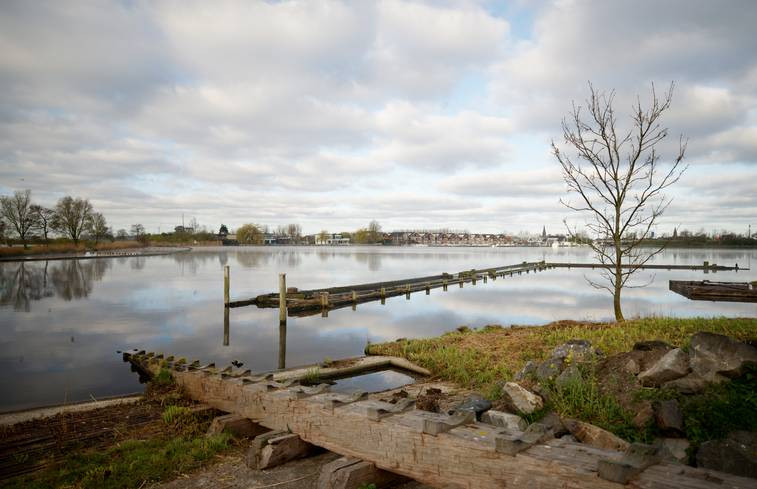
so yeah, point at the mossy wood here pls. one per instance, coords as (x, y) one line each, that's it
(432, 448)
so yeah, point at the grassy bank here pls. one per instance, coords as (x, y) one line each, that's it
(602, 394)
(482, 358)
(171, 443)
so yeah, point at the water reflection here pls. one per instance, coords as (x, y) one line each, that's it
(21, 283)
(174, 304)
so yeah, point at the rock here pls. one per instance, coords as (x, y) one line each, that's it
(528, 370)
(632, 367)
(550, 368)
(692, 383)
(574, 351)
(521, 400)
(512, 422)
(673, 449)
(643, 415)
(672, 365)
(570, 375)
(594, 435)
(734, 455)
(713, 354)
(651, 345)
(554, 423)
(474, 403)
(669, 418)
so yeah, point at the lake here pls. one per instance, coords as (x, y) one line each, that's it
(63, 322)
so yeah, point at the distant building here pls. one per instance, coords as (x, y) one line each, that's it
(333, 239)
(183, 229)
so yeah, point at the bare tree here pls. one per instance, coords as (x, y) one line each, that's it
(619, 179)
(72, 216)
(44, 219)
(294, 231)
(138, 231)
(97, 227)
(16, 210)
(374, 231)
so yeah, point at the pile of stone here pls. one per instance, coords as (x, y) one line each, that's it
(710, 358)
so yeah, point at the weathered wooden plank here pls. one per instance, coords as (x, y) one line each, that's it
(463, 456)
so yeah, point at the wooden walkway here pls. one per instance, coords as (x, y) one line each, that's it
(435, 449)
(306, 302)
(313, 301)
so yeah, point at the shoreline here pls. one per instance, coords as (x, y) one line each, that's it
(119, 253)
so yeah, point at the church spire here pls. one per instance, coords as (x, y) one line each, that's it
(544, 232)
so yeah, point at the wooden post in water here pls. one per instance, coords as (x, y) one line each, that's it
(444, 285)
(383, 295)
(283, 299)
(225, 326)
(324, 304)
(282, 320)
(428, 288)
(461, 283)
(484, 278)
(226, 286)
(354, 300)
(706, 267)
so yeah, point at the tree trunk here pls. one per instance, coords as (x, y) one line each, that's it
(618, 272)
(616, 304)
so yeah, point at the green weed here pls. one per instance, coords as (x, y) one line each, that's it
(130, 464)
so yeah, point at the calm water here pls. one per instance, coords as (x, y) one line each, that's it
(62, 322)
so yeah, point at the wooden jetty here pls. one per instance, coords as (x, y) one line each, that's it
(451, 451)
(715, 291)
(306, 302)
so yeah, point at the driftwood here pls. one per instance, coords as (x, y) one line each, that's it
(432, 448)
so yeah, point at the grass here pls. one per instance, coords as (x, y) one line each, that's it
(482, 358)
(177, 447)
(129, 464)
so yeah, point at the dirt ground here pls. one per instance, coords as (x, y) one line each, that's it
(232, 473)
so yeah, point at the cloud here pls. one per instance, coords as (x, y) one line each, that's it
(332, 113)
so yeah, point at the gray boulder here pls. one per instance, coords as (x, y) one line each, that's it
(669, 418)
(570, 375)
(519, 399)
(692, 383)
(734, 455)
(595, 436)
(574, 351)
(511, 422)
(673, 365)
(528, 370)
(673, 449)
(715, 354)
(475, 403)
(549, 368)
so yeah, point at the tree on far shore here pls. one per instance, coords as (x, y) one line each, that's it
(249, 234)
(97, 227)
(72, 217)
(45, 218)
(17, 211)
(619, 179)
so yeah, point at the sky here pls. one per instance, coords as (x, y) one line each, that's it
(332, 114)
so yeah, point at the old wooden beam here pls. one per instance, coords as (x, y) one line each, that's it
(464, 455)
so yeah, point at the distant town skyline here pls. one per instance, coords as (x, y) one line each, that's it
(332, 114)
